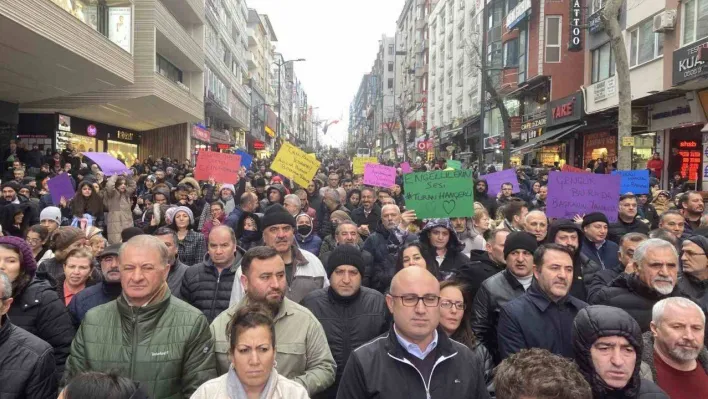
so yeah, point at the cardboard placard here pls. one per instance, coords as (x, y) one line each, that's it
(495, 181)
(633, 181)
(379, 175)
(222, 167)
(406, 168)
(440, 194)
(246, 158)
(60, 186)
(454, 164)
(109, 165)
(294, 163)
(359, 162)
(571, 194)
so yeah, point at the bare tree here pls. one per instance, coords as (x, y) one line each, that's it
(608, 19)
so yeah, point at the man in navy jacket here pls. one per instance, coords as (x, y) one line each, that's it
(595, 244)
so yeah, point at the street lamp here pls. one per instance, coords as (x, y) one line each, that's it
(280, 65)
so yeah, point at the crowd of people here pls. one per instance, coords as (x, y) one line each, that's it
(151, 284)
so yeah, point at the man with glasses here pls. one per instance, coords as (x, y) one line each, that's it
(27, 366)
(694, 280)
(350, 314)
(543, 316)
(416, 355)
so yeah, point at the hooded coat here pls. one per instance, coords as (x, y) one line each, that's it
(584, 268)
(311, 242)
(595, 322)
(454, 258)
(483, 198)
(265, 202)
(247, 239)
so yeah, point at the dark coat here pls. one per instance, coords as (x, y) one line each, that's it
(174, 278)
(348, 323)
(600, 280)
(91, 297)
(694, 289)
(373, 220)
(480, 268)
(534, 321)
(595, 322)
(325, 227)
(490, 203)
(494, 293)
(53, 270)
(607, 256)
(454, 258)
(380, 369)
(629, 293)
(619, 228)
(383, 246)
(208, 290)
(39, 310)
(311, 243)
(27, 365)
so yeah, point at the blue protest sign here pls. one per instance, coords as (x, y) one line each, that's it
(633, 181)
(246, 158)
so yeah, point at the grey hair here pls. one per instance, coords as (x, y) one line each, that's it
(392, 206)
(6, 285)
(166, 231)
(146, 242)
(344, 223)
(652, 243)
(294, 198)
(535, 212)
(657, 312)
(331, 193)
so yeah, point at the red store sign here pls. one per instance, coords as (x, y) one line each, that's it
(201, 134)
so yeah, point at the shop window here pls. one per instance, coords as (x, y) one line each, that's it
(553, 38)
(694, 21)
(113, 19)
(603, 63)
(167, 69)
(125, 151)
(644, 147)
(511, 53)
(644, 44)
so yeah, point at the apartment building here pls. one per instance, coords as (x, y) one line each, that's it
(361, 122)
(259, 58)
(384, 113)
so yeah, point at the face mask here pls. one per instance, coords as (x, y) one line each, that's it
(304, 230)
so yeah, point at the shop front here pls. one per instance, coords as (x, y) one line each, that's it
(261, 149)
(599, 145)
(123, 144)
(200, 141)
(221, 141)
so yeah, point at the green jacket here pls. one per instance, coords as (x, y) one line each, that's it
(167, 346)
(301, 350)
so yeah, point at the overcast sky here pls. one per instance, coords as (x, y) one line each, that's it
(339, 39)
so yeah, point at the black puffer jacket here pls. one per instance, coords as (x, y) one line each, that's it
(39, 310)
(620, 228)
(208, 290)
(595, 322)
(348, 324)
(494, 293)
(629, 293)
(480, 268)
(27, 366)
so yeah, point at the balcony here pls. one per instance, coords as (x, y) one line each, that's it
(250, 60)
(252, 38)
(174, 43)
(421, 71)
(421, 24)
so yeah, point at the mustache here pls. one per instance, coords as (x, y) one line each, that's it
(663, 279)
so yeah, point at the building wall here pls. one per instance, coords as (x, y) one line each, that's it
(566, 76)
(170, 141)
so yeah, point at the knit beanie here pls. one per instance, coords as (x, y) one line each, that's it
(345, 255)
(594, 217)
(519, 240)
(276, 214)
(130, 232)
(700, 241)
(27, 262)
(229, 187)
(185, 210)
(13, 185)
(51, 213)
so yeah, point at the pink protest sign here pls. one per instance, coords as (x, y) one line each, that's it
(406, 168)
(379, 175)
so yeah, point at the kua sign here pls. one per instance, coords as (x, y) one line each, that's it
(575, 39)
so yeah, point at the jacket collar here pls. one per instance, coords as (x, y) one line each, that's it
(394, 348)
(5, 329)
(632, 283)
(648, 354)
(515, 284)
(151, 312)
(298, 258)
(542, 302)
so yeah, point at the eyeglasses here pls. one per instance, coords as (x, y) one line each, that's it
(691, 253)
(33, 240)
(411, 300)
(448, 304)
(4, 298)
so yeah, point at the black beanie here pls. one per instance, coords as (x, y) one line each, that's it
(594, 217)
(13, 185)
(345, 255)
(519, 240)
(276, 214)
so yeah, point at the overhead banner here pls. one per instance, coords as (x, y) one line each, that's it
(294, 163)
(222, 167)
(571, 194)
(440, 194)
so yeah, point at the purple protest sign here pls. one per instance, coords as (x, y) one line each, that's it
(60, 186)
(495, 181)
(379, 175)
(571, 194)
(406, 168)
(109, 165)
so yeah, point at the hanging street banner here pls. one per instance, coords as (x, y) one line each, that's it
(294, 163)
(440, 194)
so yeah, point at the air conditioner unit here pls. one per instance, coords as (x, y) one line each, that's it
(665, 21)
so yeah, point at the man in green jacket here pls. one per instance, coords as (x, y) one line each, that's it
(301, 350)
(146, 334)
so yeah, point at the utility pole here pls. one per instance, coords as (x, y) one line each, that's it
(608, 18)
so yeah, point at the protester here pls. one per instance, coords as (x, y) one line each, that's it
(102, 385)
(292, 204)
(252, 349)
(177, 268)
(607, 343)
(470, 233)
(353, 199)
(37, 237)
(218, 216)
(330, 242)
(248, 203)
(191, 245)
(536, 223)
(207, 285)
(350, 314)
(603, 278)
(655, 277)
(515, 212)
(503, 287)
(346, 233)
(694, 280)
(306, 237)
(595, 244)
(692, 208)
(104, 291)
(537, 373)
(441, 245)
(674, 352)
(628, 220)
(330, 204)
(368, 215)
(248, 231)
(77, 274)
(484, 264)
(50, 217)
(543, 316)
(119, 190)
(184, 356)
(63, 241)
(673, 222)
(416, 354)
(264, 281)
(86, 204)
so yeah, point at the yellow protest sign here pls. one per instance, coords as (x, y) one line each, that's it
(312, 155)
(359, 163)
(295, 164)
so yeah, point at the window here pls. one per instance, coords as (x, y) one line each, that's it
(523, 38)
(596, 6)
(603, 63)
(390, 66)
(644, 44)
(390, 49)
(511, 53)
(510, 4)
(694, 20)
(167, 69)
(390, 83)
(553, 33)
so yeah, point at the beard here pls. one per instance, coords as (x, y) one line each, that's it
(663, 289)
(684, 353)
(272, 304)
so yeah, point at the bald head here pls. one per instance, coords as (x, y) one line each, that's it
(223, 231)
(410, 277)
(413, 300)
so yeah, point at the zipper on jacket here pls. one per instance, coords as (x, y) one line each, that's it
(426, 386)
(216, 291)
(134, 344)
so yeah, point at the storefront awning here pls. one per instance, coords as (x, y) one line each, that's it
(551, 136)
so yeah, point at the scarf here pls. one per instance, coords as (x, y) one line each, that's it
(229, 205)
(235, 389)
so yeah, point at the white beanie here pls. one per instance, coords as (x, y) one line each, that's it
(51, 213)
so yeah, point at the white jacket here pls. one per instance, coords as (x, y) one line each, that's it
(282, 389)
